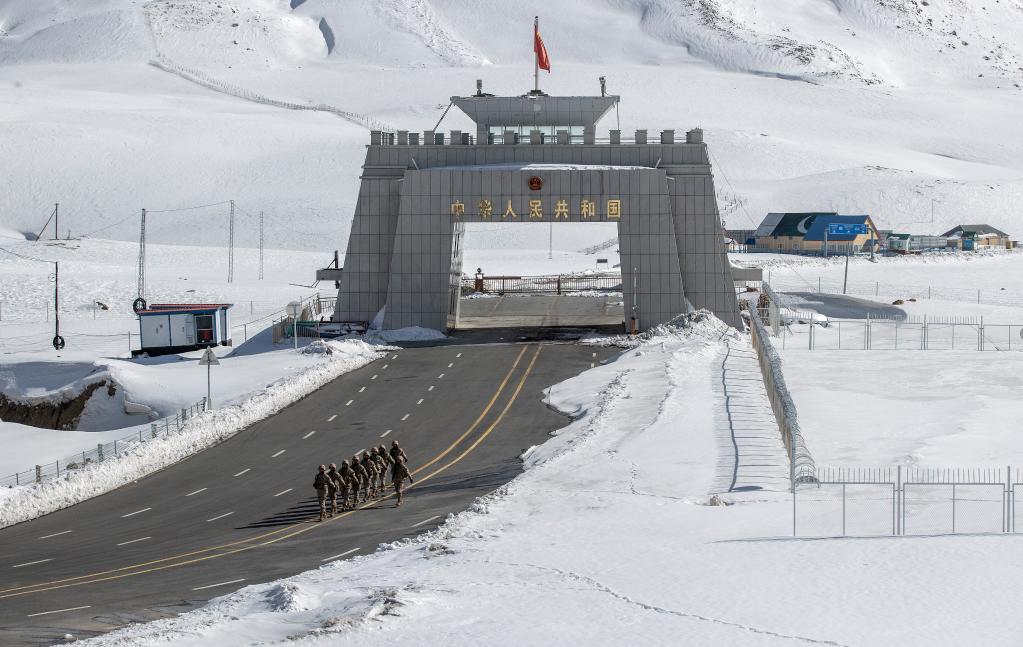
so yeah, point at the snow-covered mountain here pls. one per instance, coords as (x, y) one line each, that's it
(884, 106)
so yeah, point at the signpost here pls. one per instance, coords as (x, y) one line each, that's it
(294, 309)
(208, 359)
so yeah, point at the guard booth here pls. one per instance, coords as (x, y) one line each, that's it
(167, 328)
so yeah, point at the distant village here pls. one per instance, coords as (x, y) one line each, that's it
(829, 233)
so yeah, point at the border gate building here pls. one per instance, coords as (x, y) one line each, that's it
(533, 158)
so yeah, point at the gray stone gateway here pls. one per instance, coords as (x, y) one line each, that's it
(533, 158)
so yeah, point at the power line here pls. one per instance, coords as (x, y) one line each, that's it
(105, 227)
(199, 206)
(27, 258)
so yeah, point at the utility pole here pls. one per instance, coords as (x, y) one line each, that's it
(58, 341)
(56, 220)
(260, 245)
(141, 281)
(845, 281)
(230, 247)
(550, 241)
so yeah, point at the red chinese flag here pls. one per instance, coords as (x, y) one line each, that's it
(542, 60)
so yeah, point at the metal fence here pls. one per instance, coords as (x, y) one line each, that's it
(899, 501)
(800, 459)
(988, 296)
(909, 333)
(72, 464)
(553, 284)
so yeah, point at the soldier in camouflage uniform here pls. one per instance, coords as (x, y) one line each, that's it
(350, 484)
(372, 472)
(381, 463)
(361, 479)
(321, 485)
(336, 486)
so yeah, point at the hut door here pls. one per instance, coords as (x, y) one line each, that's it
(204, 329)
(189, 330)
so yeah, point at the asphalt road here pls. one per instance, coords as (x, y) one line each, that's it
(244, 511)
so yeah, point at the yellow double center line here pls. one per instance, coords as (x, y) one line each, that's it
(299, 527)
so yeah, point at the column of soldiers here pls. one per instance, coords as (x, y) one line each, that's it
(362, 478)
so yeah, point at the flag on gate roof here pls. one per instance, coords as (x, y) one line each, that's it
(542, 60)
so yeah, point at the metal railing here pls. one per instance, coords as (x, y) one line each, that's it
(900, 501)
(103, 452)
(800, 460)
(552, 284)
(988, 296)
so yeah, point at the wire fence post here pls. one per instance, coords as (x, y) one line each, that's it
(39, 474)
(152, 429)
(99, 450)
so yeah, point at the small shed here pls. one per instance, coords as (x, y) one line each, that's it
(979, 237)
(166, 328)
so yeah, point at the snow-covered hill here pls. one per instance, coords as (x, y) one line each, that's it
(880, 106)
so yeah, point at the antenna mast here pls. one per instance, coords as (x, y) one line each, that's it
(260, 245)
(141, 281)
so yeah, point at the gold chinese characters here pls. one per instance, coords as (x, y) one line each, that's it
(586, 209)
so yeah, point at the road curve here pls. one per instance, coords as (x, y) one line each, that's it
(243, 512)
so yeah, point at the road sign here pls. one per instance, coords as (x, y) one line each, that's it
(844, 229)
(209, 359)
(294, 309)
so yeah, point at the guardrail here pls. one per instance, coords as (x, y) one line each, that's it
(109, 451)
(552, 284)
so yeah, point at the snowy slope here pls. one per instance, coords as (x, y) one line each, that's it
(853, 105)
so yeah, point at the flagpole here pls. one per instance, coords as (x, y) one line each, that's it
(536, 56)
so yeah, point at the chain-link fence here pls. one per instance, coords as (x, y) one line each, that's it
(69, 466)
(849, 502)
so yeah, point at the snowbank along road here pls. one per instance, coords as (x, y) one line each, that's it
(244, 511)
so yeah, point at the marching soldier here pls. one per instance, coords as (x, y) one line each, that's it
(397, 452)
(361, 479)
(321, 484)
(350, 482)
(333, 487)
(370, 466)
(381, 464)
(398, 475)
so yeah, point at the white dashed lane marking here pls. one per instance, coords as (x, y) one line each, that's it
(405, 417)
(202, 489)
(431, 388)
(39, 561)
(384, 366)
(420, 401)
(593, 355)
(308, 434)
(132, 514)
(284, 492)
(374, 376)
(440, 377)
(338, 556)
(56, 534)
(458, 355)
(226, 514)
(132, 541)
(46, 613)
(349, 403)
(451, 364)
(362, 389)
(416, 525)
(394, 357)
(278, 453)
(385, 433)
(210, 586)
(331, 419)
(243, 471)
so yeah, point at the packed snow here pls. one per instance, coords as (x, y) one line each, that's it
(317, 368)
